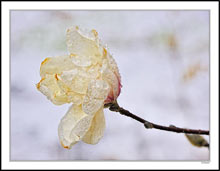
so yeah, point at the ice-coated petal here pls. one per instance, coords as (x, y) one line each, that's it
(49, 87)
(92, 105)
(73, 96)
(73, 126)
(111, 63)
(113, 81)
(82, 43)
(77, 80)
(96, 94)
(98, 89)
(56, 65)
(96, 131)
(81, 61)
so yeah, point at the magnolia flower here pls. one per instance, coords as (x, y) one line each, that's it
(87, 77)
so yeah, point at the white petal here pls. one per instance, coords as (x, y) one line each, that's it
(113, 81)
(112, 64)
(84, 44)
(96, 94)
(49, 87)
(56, 65)
(81, 61)
(97, 128)
(76, 80)
(73, 126)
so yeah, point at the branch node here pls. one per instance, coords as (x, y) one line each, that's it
(172, 126)
(113, 106)
(148, 125)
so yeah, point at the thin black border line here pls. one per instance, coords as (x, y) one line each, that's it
(202, 161)
(108, 10)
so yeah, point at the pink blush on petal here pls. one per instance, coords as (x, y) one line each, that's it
(109, 98)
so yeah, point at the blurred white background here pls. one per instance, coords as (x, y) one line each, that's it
(163, 58)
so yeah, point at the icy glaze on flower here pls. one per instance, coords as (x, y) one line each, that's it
(88, 78)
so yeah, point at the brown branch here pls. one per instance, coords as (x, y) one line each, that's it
(116, 108)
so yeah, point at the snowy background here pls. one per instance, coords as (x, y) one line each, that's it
(163, 58)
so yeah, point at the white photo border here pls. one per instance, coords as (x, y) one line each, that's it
(86, 5)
